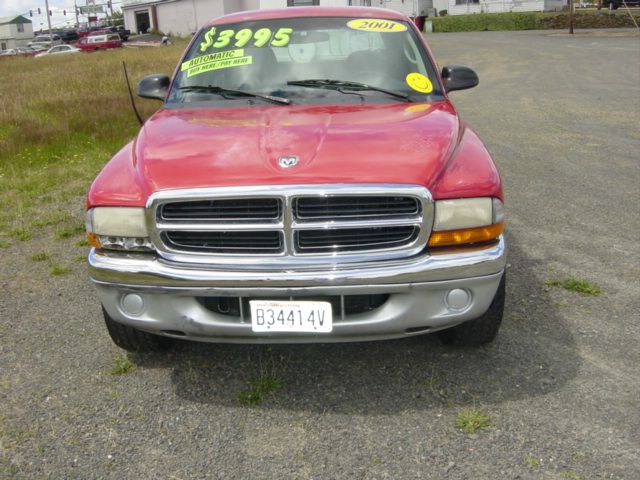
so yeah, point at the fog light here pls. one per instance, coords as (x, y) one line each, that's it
(458, 299)
(132, 304)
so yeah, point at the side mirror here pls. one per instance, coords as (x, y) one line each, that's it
(458, 77)
(154, 86)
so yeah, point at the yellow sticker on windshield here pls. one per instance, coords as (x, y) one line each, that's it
(219, 64)
(419, 82)
(246, 37)
(212, 57)
(376, 25)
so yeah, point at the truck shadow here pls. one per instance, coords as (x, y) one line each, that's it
(534, 354)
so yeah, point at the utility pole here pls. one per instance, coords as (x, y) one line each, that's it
(571, 17)
(75, 4)
(46, 4)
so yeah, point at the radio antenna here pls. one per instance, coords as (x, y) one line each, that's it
(133, 103)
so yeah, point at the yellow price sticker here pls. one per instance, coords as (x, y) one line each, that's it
(376, 25)
(419, 82)
(245, 37)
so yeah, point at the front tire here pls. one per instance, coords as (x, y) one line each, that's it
(483, 329)
(134, 340)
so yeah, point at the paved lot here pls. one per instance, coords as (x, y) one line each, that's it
(560, 384)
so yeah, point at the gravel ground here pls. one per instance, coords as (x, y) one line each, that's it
(560, 384)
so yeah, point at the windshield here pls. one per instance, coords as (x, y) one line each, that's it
(306, 60)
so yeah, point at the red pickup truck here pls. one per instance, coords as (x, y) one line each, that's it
(101, 41)
(307, 179)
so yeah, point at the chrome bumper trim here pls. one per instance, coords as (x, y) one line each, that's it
(151, 272)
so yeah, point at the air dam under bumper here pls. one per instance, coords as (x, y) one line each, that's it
(149, 294)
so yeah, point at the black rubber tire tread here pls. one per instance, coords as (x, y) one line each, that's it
(483, 329)
(134, 340)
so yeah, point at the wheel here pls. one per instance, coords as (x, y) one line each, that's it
(134, 340)
(482, 330)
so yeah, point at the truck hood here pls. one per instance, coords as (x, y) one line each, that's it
(401, 143)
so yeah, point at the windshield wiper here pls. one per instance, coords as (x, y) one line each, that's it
(227, 91)
(341, 85)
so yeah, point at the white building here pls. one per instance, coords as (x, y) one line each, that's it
(464, 7)
(15, 32)
(184, 17)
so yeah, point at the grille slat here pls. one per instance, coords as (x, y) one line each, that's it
(225, 242)
(249, 209)
(325, 241)
(308, 208)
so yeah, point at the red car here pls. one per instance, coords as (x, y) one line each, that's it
(101, 41)
(307, 179)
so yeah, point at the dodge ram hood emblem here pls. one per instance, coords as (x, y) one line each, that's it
(288, 162)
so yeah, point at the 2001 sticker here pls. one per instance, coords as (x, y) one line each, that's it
(261, 37)
(419, 82)
(376, 25)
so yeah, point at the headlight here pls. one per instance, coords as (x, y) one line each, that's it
(118, 228)
(466, 221)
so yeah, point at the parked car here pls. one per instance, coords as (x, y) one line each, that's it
(615, 4)
(123, 32)
(57, 50)
(86, 32)
(18, 51)
(120, 30)
(27, 51)
(307, 179)
(46, 41)
(100, 42)
(69, 36)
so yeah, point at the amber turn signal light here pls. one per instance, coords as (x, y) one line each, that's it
(93, 240)
(450, 238)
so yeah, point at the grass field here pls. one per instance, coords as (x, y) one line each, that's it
(61, 120)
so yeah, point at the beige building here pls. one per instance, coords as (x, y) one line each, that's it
(15, 32)
(184, 17)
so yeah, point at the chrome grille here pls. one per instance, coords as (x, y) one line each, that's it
(307, 225)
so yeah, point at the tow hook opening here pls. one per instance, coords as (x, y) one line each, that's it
(417, 330)
(174, 333)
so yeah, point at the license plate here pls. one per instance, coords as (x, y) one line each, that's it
(304, 316)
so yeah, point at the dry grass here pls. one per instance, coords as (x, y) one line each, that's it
(52, 100)
(61, 119)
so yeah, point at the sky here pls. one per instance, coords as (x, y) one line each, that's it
(22, 7)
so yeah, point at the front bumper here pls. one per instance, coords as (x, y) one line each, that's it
(166, 300)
